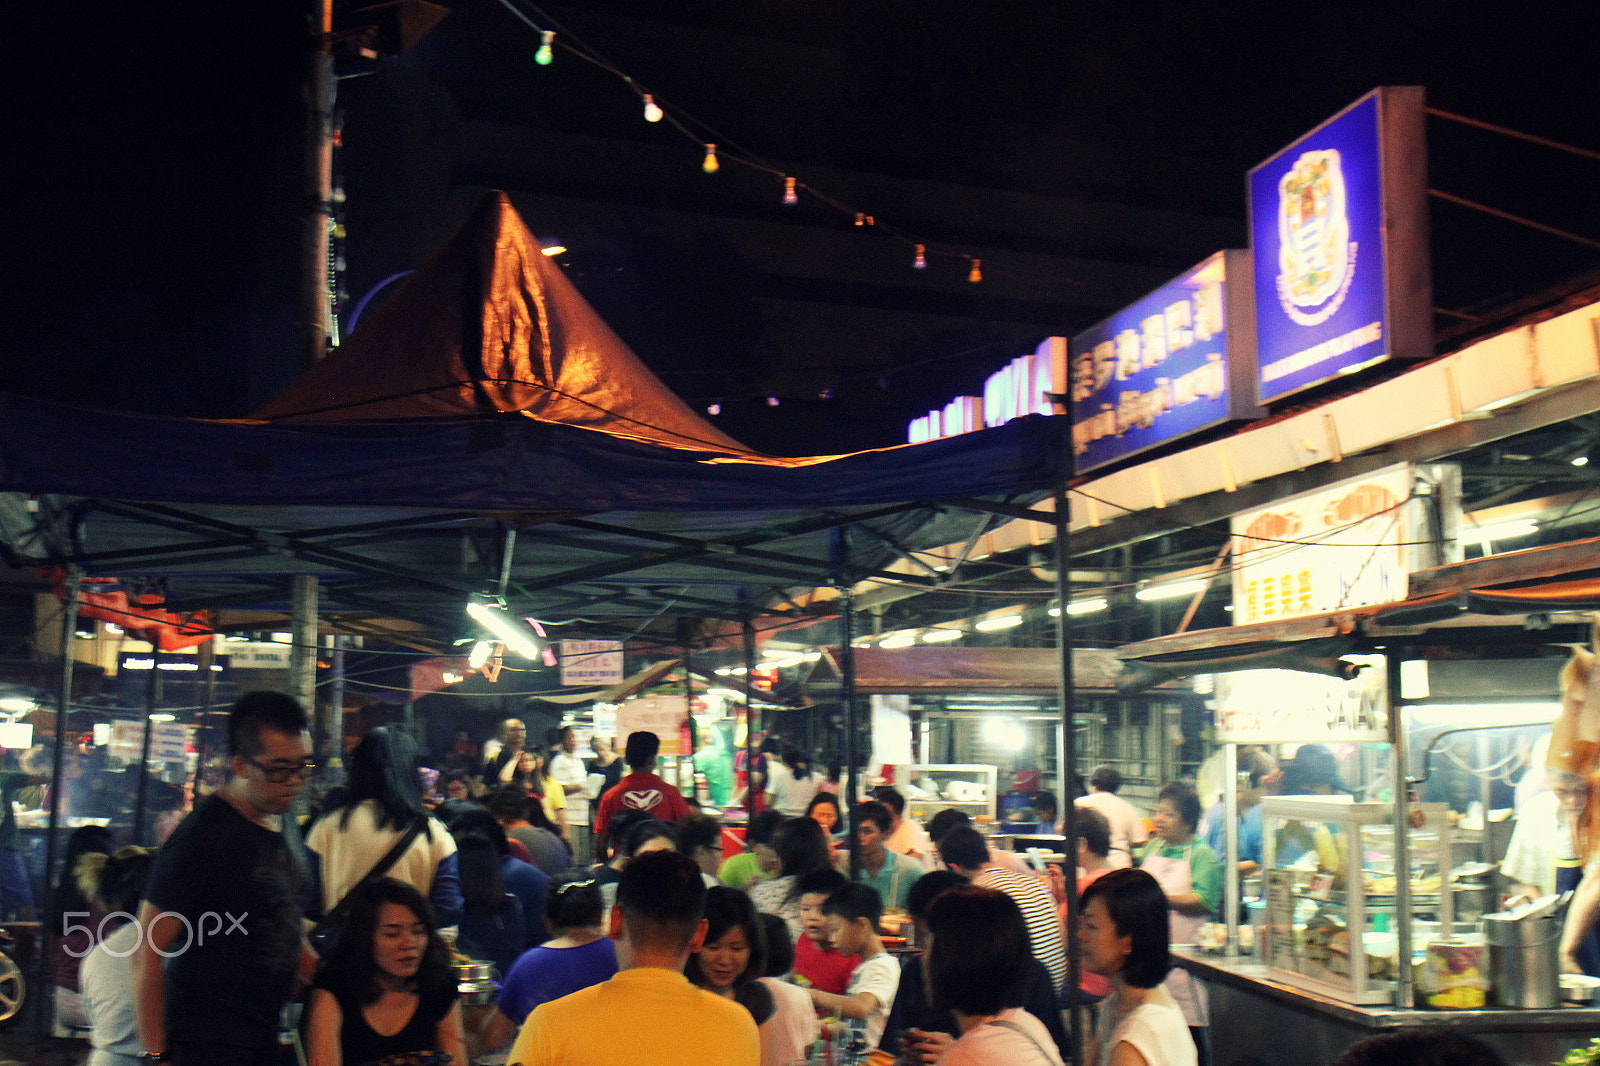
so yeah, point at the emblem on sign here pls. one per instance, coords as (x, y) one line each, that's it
(1316, 258)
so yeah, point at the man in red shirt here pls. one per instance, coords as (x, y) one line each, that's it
(814, 958)
(640, 789)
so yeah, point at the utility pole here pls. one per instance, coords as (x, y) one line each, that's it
(316, 315)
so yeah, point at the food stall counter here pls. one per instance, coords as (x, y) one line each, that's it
(1251, 1011)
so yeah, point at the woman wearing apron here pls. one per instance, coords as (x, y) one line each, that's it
(1190, 874)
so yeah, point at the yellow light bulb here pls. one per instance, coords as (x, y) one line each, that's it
(710, 164)
(789, 195)
(977, 273)
(920, 262)
(652, 112)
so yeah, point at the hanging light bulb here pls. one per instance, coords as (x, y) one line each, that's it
(652, 112)
(861, 220)
(710, 164)
(789, 195)
(544, 55)
(976, 274)
(920, 260)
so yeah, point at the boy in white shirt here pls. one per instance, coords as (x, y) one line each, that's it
(853, 914)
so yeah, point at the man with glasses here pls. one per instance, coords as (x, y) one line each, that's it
(222, 908)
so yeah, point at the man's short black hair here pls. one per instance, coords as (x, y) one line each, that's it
(699, 831)
(1044, 805)
(939, 825)
(891, 798)
(780, 949)
(926, 887)
(856, 900)
(875, 812)
(1105, 778)
(1184, 800)
(255, 711)
(1094, 829)
(820, 883)
(662, 897)
(964, 847)
(641, 749)
(762, 826)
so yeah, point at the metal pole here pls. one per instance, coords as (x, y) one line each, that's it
(1403, 992)
(69, 632)
(847, 698)
(152, 699)
(748, 624)
(1069, 748)
(303, 663)
(336, 682)
(1230, 860)
(688, 710)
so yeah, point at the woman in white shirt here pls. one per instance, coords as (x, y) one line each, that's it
(1123, 932)
(977, 967)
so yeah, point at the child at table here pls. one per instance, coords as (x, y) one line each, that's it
(853, 915)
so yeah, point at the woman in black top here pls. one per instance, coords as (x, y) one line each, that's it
(386, 991)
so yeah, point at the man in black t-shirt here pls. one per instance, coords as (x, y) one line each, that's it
(222, 905)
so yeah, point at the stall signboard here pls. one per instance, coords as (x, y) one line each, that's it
(591, 662)
(1028, 385)
(662, 715)
(169, 742)
(1351, 544)
(257, 655)
(1289, 706)
(1339, 232)
(1179, 361)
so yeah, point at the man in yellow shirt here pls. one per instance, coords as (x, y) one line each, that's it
(665, 1020)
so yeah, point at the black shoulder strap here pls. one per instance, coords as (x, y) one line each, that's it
(391, 857)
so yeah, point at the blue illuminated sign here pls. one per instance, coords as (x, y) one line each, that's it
(1176, 362)
(1338, 228)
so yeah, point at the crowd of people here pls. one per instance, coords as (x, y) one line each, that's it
(623, 910)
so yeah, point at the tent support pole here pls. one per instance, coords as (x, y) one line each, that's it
(152, 699)
(69, 632)
(1066, 781)
(303, 663)
(748, 626)
(847, 697)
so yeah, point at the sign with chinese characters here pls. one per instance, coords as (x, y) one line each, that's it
(1023, 386)
(1178, 361)
(169, 743)
(591, 662)
(1349, 545)
(662, 715)
(1276, 706)
(1339, 231)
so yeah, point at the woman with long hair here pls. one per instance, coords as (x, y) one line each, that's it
(578, 956)
(1124, 936)
(978, 969)
(113, 885)
(386, 990)
(384, 802)
(802, 847)
(72, 937)
(732, 956)
(791, 783)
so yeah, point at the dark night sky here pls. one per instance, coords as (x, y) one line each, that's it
(1088, 149)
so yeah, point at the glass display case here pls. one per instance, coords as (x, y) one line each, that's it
(931, 787)
(1332, 905)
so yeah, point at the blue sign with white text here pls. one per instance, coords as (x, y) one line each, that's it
(1164, 368)
(1317, 234)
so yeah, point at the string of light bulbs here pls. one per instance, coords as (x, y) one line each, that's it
(718, 149)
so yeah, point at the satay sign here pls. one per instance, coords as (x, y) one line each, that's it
(1273, 706)
(1349, 545)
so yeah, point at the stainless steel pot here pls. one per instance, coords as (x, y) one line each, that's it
(475, 982)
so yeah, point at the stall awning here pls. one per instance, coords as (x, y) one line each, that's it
(1538, 596)
(888, 671)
